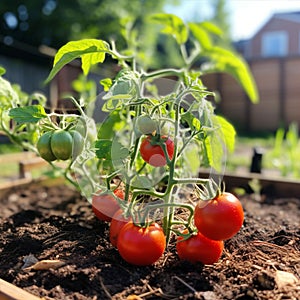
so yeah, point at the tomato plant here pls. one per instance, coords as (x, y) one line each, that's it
(105, 205)
(141, 246)
(143, 131)
(220, 218)
(152, 151)
(118, 221)
(198, 248)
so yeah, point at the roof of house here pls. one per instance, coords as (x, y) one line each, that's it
(293, 16)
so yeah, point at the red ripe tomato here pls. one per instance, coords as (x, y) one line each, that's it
(199, 248)
(220, 218)
(153, 154)
(119, 193)
(141, 246)
(104, 205)
(118, 221)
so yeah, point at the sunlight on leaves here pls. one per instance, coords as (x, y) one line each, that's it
(201, 35)
(227, 132)
(28, 114)
(223, 60)
(91, 52)
(173, 25)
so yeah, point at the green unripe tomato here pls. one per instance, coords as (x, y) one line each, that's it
(146, 125)
(62, 144)
(44, 147)
(78, 143)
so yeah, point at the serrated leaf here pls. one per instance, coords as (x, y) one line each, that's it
(223, 60)
(91, 51)
(118, 153)
(103, 149)
(173, 25)
(28, 114)
(227, 130)
(196, 124)
(192, 159)
(215, 153)
(8, 96)
(106, 83)
(201, 36)
(211, 28)
(192, 121)
(2, 71)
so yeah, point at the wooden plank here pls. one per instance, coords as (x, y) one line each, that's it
(9, 291)
(23, 182)
(16, 157)
(25, 167)
(270, 186)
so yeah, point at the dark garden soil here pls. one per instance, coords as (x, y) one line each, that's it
(56, 223)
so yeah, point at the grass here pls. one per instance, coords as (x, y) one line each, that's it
(6, 148)
(240, 159)
(279, 158)
(8, 169)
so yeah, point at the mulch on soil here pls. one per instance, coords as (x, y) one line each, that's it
(57, 223)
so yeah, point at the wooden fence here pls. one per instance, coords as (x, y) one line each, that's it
(278, 84)
(276, 78)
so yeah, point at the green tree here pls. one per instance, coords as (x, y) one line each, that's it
(55, 22)
(221, 17)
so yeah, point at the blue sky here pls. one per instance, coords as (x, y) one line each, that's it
(247, 16)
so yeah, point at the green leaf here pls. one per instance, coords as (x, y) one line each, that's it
(114, 102)
(91, 51)
(192, 159)
(173, 25)
(106, 83)
(218, 140)
(211, 28)
(227, 131)
(2, 71)
(103, 149)
(8, 96)
(214, 151)
(201, 36)
(28, 114)
(223, 60)
(279, 141)
(192, 121)
(118, 153)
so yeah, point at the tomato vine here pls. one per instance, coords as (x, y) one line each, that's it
(151, 143)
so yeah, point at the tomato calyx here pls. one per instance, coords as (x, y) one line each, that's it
(157, 139)
(185, 234)
(209, 191)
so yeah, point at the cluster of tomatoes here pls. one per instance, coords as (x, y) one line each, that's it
(215, 220)
(60, 144)
(136, 244)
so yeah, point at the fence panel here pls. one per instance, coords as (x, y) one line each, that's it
(278, 85)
